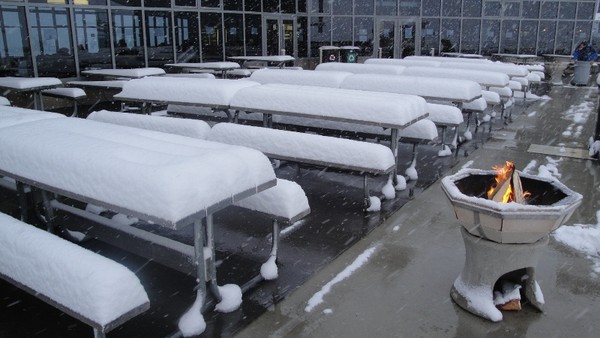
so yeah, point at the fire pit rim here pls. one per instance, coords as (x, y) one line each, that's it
(572, 198)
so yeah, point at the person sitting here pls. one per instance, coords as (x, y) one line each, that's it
(585, 52)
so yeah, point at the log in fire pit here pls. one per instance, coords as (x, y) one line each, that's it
(504, 236)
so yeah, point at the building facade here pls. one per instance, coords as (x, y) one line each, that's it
(63, 37)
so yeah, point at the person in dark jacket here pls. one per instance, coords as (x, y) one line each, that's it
(585, 52)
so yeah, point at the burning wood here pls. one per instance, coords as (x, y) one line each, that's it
(508, 187)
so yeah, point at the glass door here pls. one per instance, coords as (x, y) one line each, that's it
(278, 35)
(397, 38)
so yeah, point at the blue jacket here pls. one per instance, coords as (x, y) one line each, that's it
(586, 54)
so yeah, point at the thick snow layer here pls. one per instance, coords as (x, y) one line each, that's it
(184, 127)
(129, 73)
(479, 299)
(24, 83)
(484, 78)
(231, 298)
(313, 147)
(444, 114)
(403, 62)
(10, 116)
(192, 322)
(383, 109)
(156, 174)
(268, 58)
(208, 92)
(91, 285)
(477, 105)
(427, 87)
(423, 129)
(286, 199)
(515, 85)
(505, 92)
(584, 238)
(448, 59)
(491, 98)
(109, 84)
(508, 69)
(360, 68)
(74, 93)
(299, 77)
(4, 101)
(222, 65)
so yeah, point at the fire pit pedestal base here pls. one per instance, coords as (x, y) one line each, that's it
(485, 263)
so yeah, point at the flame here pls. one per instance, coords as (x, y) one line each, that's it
(502, 174)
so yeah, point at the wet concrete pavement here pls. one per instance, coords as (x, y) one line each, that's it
(404, 288)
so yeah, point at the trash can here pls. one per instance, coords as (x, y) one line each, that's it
(348, 54)
(329, 54)
(581, 73)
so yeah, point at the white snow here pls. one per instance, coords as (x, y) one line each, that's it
(422, 130)
(403, 62)
(208, 92)
(478, 105)
(91, 285)
(286, 199)
(361, 68)
(375, 204)
(4, 101)
(10, 116)
(484, 78)
(362, 259)
(510, 70)
(217, 65)
(157, 174)
(184, 127)
(330, 79)
(231, 298)
(445, 152)
(269, 270)
(24, 83)
(126, 73)
(192, 322)
(594, 147)
(510, 291)
(401, 185)
(479, 298)
(584, 238)
(384, 109)
(388, 190)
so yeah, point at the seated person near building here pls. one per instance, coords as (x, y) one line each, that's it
(585, 52)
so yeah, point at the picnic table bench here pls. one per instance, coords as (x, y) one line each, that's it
(33, 85)
(169, 181)
(91, 288)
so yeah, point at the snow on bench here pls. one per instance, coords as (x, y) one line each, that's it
(184, 127)
(167, 180)
(511, 70)
(360, 68)
(403, 62)
(4, 101)
(484, 78)
(331, 79)
(192, 75)
(94, 289)
(72, 94)
(213, 93)
(447, 59)
(323, 151)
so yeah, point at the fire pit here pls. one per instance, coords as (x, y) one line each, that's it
(503, 240)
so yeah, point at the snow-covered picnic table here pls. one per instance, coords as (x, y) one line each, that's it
(220, 67)
(131, 73)
(168, 180)
(276, 60)
(35, 85)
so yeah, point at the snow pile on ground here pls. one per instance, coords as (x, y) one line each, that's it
(584, 238)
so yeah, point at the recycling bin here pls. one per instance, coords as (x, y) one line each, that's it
(348, 54)
(329, 54)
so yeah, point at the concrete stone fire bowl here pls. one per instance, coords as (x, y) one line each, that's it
(550, 205)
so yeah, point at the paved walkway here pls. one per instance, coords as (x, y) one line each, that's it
(403, 289)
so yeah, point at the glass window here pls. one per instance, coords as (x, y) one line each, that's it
(364, 7)
(472, 8)
(363, 35)
(528, 37)
(185, 3)
(302, 32)
(386, 7)
(549, 10)
(271, 5)
(253, 34)
(430, 36)
(341, 30)
(566, 10)
(583, 31)
(512, 9)
(15, 54)
(288, 6)
(302, 6)
(159, 41)
(490, 37)
(211, 34)
(127, 36)
(130, 3)
(320, 6)
(470, 36)
(51, 40)
(410, 7)
(564, 38)
(234, 34)
(509, 36)
(585, 11)
(186, 37)
(157, 3)
(531, 9)
(451, 7)
(450, 35)
(341, 7)
(547, 34)
(93, 38)
(319, 34)
(431, 7)
(492, 8)
(233, 5)
(210, 3)
(252, 5)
